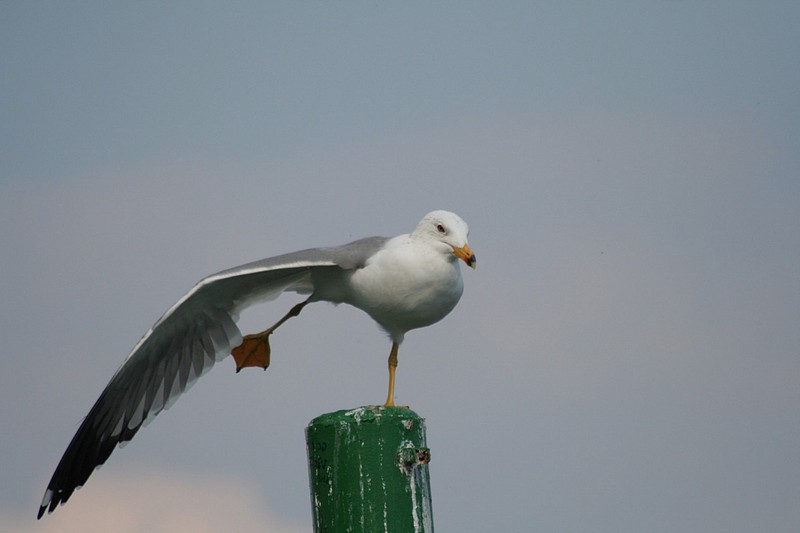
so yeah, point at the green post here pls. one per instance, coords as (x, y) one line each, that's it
(368, 470)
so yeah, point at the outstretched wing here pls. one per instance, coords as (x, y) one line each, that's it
(193, 334)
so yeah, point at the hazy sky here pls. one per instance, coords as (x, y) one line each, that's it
(626, 357)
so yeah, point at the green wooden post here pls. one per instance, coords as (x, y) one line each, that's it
(368, 470)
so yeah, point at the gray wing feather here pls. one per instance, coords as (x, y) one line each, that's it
(196, 332)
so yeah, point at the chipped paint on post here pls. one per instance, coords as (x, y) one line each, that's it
(368, 471)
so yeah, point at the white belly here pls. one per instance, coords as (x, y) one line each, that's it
(401, 294)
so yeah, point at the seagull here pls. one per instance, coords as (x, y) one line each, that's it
(403, 283)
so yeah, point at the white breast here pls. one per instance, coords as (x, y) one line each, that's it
(407, 285)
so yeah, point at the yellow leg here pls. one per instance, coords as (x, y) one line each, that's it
(254, 349)
(392, 368)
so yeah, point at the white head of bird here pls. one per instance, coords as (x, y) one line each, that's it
(449, 229)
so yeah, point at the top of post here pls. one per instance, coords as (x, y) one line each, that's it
(368, 414)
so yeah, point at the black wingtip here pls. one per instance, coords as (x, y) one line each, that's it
(47, 501)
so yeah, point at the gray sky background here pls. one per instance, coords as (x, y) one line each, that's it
(626, 357)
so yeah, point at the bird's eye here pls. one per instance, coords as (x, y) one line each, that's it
(440, 228)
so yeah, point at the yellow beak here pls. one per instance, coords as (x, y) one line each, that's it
(465, 254)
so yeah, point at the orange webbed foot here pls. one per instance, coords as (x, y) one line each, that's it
(253, 351)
